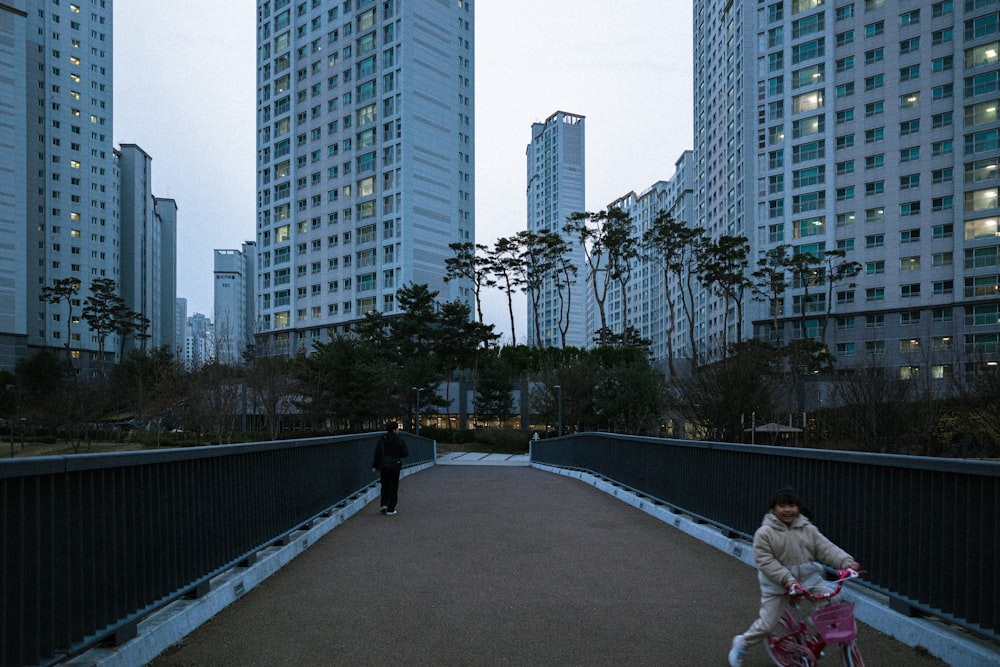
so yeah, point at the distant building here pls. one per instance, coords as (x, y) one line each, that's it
(234, 296)
(180, 327)
(556, 190)
(199, 342)
(365, 160)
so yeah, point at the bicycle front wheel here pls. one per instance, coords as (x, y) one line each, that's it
(850, 655)
(786, 652)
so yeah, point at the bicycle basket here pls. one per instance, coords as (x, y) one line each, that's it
(835, 623)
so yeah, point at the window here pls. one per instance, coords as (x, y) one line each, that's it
(808, 76)
(981, 26)
(943, 64)
(874, 188)
(982, 170)
(939, 9)
(875, 294)
(984, 54)
(943, 92)
(874, 55)
(874, 29)
(808, 50)
(910, 208)
(939, 315)
(874, 321)
(941, 147)
(874, 108)
(845, 220)
(807, 177)
(940, 259)
(909, 181)
(943, 119)
(983, 112)
(944, 231)
(845, 64)
(945, 203)
(845, 116)
(875, 347)
(983, 228)
(874, 81)
(845, 141)
(909, 236)
(909, 263)
(845, 245)
(845, 89)
(875, 268)
(846, 167)
(981, 200)
(980, 142)
(942, 36)
(909, 127)
(875, 134)
(875, 215)
(909, 73)
(909, 318)
(943, 287)
(909, 100)
(911, 154)
(874, 241)
(909, 18)
(911, 45)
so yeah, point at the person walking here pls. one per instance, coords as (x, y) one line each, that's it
(388, 462)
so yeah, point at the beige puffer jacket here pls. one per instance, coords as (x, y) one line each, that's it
(785, 553)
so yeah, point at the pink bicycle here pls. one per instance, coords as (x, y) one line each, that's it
(804, 636)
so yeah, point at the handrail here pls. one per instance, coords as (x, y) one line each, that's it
(93, 543)
(924, 527)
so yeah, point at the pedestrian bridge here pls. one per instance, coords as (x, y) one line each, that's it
(489, 561)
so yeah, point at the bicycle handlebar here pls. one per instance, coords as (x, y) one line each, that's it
(842, 576)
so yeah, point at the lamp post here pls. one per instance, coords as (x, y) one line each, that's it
(558, 389)
(417, 411)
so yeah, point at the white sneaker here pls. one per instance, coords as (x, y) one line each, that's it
(736, 651)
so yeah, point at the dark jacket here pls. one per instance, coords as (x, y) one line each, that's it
(389, 450)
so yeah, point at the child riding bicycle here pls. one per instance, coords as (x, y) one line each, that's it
(786, 548)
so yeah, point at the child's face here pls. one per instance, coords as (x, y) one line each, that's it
(787, 513)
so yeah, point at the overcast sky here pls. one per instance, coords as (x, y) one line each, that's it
(184, 77)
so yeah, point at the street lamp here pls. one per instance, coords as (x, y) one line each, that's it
(417, 411)
(558, 389)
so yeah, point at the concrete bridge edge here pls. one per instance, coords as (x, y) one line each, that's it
(948, 643)
(164, 628)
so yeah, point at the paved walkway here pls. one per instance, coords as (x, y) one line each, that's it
(498, 565)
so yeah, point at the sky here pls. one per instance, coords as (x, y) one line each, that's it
(185, 89)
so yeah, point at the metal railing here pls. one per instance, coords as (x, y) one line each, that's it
(93, 543)
(925, 529)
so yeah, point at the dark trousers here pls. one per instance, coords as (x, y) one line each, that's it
(390, 486)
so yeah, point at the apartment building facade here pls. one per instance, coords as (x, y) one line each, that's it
(869, 128)
(365, 160)
(72, 207)
(556, 189)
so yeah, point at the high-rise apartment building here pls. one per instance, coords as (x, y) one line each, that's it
(58, 172)
(365, 159)
(71, 207)
(234, 297)
(867, 127)
(148, 274)
(643, 305)
(556, 190)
